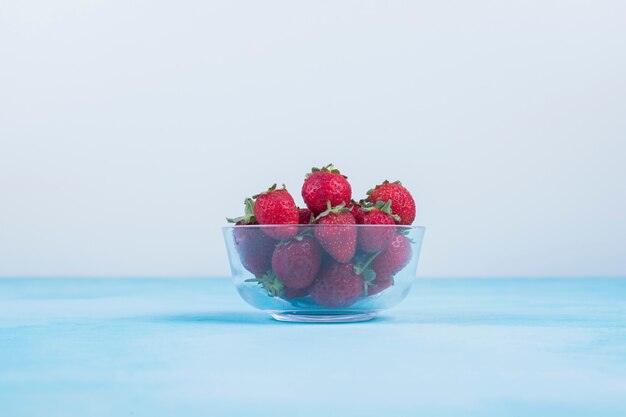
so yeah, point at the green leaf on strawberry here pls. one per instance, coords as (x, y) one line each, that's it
(248, 217)
(270, 283)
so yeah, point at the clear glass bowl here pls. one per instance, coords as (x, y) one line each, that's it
(323, 273)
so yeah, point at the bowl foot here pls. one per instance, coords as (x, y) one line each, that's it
(325, 317)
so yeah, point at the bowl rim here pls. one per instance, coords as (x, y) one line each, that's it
(279, 226)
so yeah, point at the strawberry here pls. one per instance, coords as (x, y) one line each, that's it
(377, 238)
(297, 262)
(401, 200)
(290, 293)
(305, 216)
(277, 207)
(336, 232)
(255, 248)
(323, 185)
(337, 285)
(356, 210)
(394, 258)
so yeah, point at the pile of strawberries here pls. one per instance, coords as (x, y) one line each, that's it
(332, 261)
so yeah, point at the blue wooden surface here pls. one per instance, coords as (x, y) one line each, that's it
(187, 347)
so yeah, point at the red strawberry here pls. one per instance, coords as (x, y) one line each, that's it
(379, 284)
(401, 200)
(376, 238)
(394, 258)
(305, 216)
(356, 210)
(336, 232)
(277, 207)
(337, 285)
(323, 185)
(290, 293)
(297, 262)
(255, 248)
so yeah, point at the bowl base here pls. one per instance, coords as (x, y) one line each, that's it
(317, 317)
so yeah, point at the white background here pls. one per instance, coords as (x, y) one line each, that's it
(129, 130)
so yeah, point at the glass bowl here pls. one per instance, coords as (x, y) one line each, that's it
(323, 273)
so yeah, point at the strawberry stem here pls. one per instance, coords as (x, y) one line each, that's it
(328, 168)
(269, 190)
(332, 210)
(359, 269)
(270, 283)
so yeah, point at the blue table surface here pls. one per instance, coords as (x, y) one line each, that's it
(187, 347)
